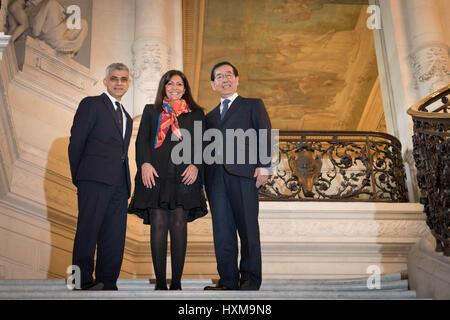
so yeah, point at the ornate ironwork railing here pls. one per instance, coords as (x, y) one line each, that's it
(337, 166)
(431, 143)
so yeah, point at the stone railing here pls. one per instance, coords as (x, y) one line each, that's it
(431, 142)
(337, 166)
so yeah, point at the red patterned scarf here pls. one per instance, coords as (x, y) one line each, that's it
(171, 110)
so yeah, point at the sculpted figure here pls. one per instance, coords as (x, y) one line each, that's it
(48, 22)
(45, 20)
(17, 18)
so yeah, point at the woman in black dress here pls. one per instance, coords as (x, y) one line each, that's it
(168, 195)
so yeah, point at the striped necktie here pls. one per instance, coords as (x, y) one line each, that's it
(225, 108)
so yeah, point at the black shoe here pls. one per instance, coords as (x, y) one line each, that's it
(248, 285)
(94, 286)
(218, 287)
(160, 287)
(175, 286)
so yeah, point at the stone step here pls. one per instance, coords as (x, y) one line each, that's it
(204, 282)
(402, 275)
(393, 286)
(199, 285)
(207, 295)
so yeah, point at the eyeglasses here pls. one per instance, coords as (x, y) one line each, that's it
(220, 77)
(117, 79)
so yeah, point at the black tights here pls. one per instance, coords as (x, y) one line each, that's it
(161, 222)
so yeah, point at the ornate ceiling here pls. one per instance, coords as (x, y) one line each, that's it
(312, 61)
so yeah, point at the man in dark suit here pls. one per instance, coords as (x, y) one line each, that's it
(232, 187)
(98, 154)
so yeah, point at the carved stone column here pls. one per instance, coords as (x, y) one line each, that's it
(157, 47)
(429, 55)
(413, 61)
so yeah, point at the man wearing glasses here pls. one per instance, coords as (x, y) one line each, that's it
(98, 155)
(232, 186)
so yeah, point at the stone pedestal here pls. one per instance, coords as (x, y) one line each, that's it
(429, 271)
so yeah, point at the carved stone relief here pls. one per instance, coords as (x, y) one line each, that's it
(351, 229)
(306, 165)
(431, 67)
(151, 59)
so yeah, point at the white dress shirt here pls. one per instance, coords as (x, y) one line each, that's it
(231, 98)
(124, 117)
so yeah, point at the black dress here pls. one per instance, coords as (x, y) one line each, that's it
(169, 192)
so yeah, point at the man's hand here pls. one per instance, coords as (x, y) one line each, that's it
(261, 175)
(189, 175)
(148, 175)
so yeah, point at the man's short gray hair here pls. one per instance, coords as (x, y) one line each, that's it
(115, 66)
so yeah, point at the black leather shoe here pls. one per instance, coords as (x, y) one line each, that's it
(94, 286)
(175, 286)
(248, 285)
(221, 287)
(159, 287)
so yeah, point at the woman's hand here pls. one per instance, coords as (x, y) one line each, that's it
(148, 175)
(189, 175)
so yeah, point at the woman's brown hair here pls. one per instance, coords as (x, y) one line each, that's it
(187, 96)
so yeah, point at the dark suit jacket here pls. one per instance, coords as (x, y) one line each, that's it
(97, 150)
(244, 113)
(145, 151)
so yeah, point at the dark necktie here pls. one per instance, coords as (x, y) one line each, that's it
(225, 108)
(119, 114)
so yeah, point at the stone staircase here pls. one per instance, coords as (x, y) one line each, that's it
(393, 286)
